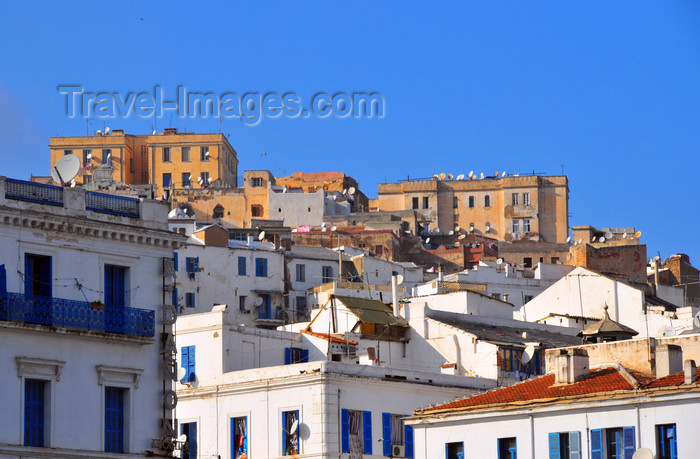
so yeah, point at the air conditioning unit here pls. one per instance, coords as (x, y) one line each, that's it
(398, 451)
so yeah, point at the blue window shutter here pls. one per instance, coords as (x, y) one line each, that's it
(367, 431)
(233, 437)
(345, 430)
(386, 433)
(674, 445)
(174, 298)
(27, 274)
(185, 363)
(257, 267)
(241, 266)
(114, 420)
(575, 445)
(304, 355)
(284, 433)
(597, 444)
(119, 287)
(408, 435)
(629, 442)
(190, 372)
(264, 267)
(554, 452)
(3, 280)
(109, 285)
(175, 260)
(34, 412)
(46, 278)
(287, 355)
(192, 437)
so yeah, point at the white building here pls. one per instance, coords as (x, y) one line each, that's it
(574, 411)
(81, 315)
(580, 296)
(246, 395)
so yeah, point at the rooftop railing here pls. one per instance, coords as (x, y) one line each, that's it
(21, 190)
(78, 315)
(112, 204)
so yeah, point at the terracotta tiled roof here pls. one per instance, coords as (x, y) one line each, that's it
(542, 389)
(327, 337)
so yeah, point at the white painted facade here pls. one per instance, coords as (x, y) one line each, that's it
(55, 341)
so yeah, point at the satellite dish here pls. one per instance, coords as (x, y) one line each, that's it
(99, 132)
(261, 236)
(323, 229)
(481, 176)
(333, 228)
(399, 279)
(580, 241)
(643, 453)
(211, 179)
(345, 190)
(182, 438)
(451, 233)
(427, 240)
(181, 373)
(638, 234)
(460, 177)
(528, 353)
(608, 235)
(351, 190)
(435, 177)
(323, 224)
(499, 261)
(602, 239)
(449, 176)
(199, 179)
(258, 301)
(154, 132)
(488, 228)
(462, 236)
(107, 130)
(457, 228)
(471, 173)
(668, 331)
(496, 174)
(594, 239)
(503, 174)
(293, 429)
(568, 239)
(442, 176)
(65, 169)
(696, 321)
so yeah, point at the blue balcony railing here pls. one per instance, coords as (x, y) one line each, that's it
(111, 204)
(79, 315)
(21, 190)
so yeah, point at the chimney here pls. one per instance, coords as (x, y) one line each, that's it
(250, 240)
(690, 372)
(570, 366)
(276, 239)
(669, 359)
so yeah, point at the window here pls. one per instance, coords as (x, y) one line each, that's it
(565, 445)
(261, 267)
(425, 202)
(87, 156)
(516, 226)
(471, 202)
(666, 442)
(555, 260)
(239, 437)
(414, 204)
(115, 287)
(301, 273)
(395, 433)
(189, 300)
(188, 364)
(204, 154)
(167, 180)
(356, 432)
(241, 266)
(218, 212)
(326, 274)
(514, 199)
(166, 154)
(290, 440)
(204, 177)
(37, 275)
(526, 199)
(67, 152)
(131, 165)
(106, 156)
(191, 265)
(507, 448)
(301, 305)
(295, 355)
(186, 179)
(617, 443)
(455, 202)
(454, 450)
(510, 359)
(256, 181)
(528, 298)
(526, 225)
(241, 303)
(256, 210)
(379, 250)
(527, 262)
(114, 419)
(185, 154)
(189, 429)
(487, 201)
(34, 412)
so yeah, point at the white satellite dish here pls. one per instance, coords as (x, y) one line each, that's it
(333, 228)
(462, 236)
(351, 190)
(624, 235)
(499, 261)
(481, 176)
(258, 301)
(323, 229)
(199, 180)
(427, 240)
(594, 239)
(154, 132)
(65, 169)
(451, 233)
(602, 239)
(399, 279)
(293, 429)
(323, 224)
(345, 190)
(696, 321)
(181, 373)
(568, 239)
(107, 130)
(211, 179)
(261, 236)
(99, 132)
(608, 235)
(471, 173)
(669, 331)
(182, 438)
(457, 228)
(643, 453)
(580, 241)
(460, 177)
(528, 353)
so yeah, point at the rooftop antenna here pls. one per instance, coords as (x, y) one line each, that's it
(65, 169)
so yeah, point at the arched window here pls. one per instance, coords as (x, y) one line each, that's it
(218, 211)
(487, 201)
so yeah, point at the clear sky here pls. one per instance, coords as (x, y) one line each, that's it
(607, 91)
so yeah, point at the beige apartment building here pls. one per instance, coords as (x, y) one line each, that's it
(505, 208)
(171, 159)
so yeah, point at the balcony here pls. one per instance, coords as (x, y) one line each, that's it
(21, 190)
(77, 315)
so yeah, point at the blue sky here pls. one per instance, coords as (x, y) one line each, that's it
(607, 89)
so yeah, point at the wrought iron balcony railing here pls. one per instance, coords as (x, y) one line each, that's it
(112, 204)
(79, 315)
(21, 190)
